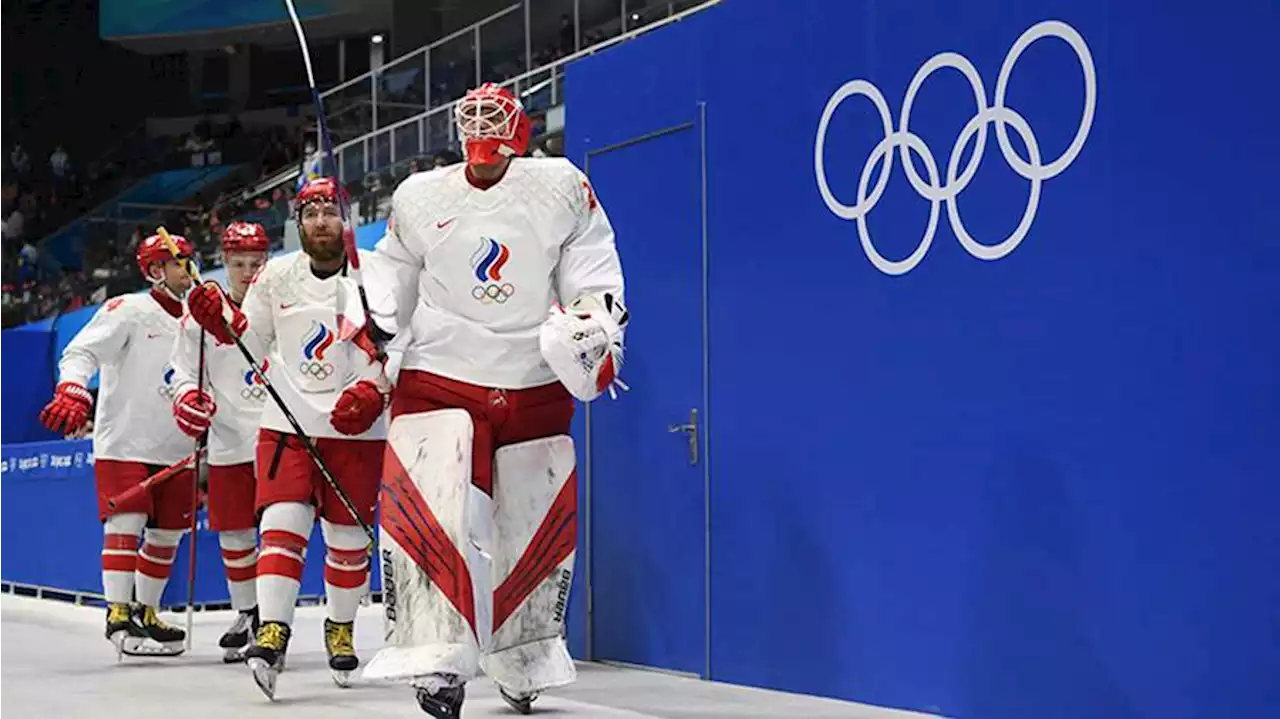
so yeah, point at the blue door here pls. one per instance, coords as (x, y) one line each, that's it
(647, 492)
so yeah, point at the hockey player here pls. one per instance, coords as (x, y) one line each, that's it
(128, 341)
(307, 311)
(228, 409)
(479, 494)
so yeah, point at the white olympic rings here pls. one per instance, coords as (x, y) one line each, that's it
(255, 393)
(1032, 169)
(493, 294)
(318, 370)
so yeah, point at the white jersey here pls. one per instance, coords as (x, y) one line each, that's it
(235, 387)
(306, 324)
(472, 273)
(128, 341)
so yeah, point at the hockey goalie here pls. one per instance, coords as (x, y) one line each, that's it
(504, 275)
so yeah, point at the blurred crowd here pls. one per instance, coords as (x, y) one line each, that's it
(45, 194)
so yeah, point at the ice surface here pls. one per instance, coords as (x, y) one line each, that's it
(55, 662)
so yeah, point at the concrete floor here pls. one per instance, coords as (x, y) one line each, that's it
(56, 663)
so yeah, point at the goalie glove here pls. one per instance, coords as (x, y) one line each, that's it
(582, 343)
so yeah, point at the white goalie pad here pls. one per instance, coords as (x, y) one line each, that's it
(436, 575)
(582, 344)
(535, 497)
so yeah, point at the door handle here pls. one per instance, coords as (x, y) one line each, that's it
(690, 429)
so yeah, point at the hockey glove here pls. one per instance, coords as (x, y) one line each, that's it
(68, 411)
(358, 407)
(217, 315)
(193, 412)
(582, 344)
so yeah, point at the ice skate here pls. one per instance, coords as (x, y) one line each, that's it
(522, 703)
(265, 656)
(438, 696)
(239, 636)
(339, 642)
(121, 630)
(155, 638)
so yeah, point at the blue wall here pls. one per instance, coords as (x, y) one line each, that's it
(60, 547)
(1044, 485)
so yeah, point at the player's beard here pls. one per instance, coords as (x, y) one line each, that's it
(324, 247)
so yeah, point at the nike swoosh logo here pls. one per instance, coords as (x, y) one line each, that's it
(151, 336)
(446, 223)
(287, 305)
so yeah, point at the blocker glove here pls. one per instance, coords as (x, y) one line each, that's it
(217, 315)
(69, 410)
(193, 412)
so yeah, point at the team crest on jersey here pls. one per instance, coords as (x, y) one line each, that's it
(166, 390)
(486, 265)
(317, 343)
(253, 386)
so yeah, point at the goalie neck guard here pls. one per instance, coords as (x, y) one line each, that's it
(493, 124)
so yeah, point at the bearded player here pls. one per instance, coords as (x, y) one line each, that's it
(305, 309)
(128, 341)
(228, 408)
(504, 274)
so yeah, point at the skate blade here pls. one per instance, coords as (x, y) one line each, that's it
(121, 640)
(341, 678)
(144, 648)
(264, 677)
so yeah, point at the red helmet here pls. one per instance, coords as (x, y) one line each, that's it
(493, 124)
(319, 189)
(153, 250)
(244, 237)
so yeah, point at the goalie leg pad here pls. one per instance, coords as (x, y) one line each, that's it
(435, 554)
(535, 495)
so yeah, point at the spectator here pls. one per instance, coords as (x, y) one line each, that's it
(59, 163)
(19, 160)
(369, 202)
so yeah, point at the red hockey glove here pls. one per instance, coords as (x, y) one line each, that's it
(193, 412)
(359, 406)
(69, 410)
(216, 315)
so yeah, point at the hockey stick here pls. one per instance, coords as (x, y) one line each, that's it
(348, 238)
(145, 485)
(201, 444)
(307, 443)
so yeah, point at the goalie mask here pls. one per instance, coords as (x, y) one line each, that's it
(492, 124)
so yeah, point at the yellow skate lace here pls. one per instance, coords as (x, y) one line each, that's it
(151, 619)
(118, 613)
(272, 636)
(339, 638)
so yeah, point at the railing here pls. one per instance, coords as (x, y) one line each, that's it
(509, 43)
(392, 142)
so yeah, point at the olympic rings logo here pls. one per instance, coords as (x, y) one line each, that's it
(493, 294)
(1003, 117)
(166, 392)
(255, 393)
(318, 370)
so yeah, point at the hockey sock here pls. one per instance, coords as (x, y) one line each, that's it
(120, 555)
(155, 559)
(346, 569)
(285, 529)
(240, 557)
